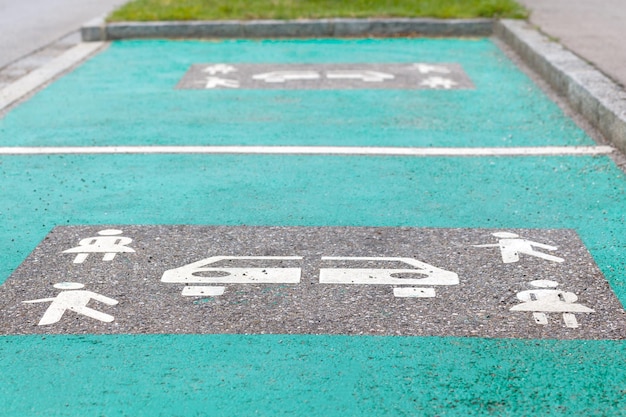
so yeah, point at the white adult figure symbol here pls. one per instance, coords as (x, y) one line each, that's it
(547, 299)
(511, 246)
(109, 243)
(75, 299)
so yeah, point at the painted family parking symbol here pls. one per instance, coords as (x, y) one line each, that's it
(311, 280)
(411, 76)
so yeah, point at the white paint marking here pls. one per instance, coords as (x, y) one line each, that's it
(363, 75)
(73, 299)
(570, 320)
(550, 301)
(310, 150)
(219, 69)
(46, 73)
(427, 68)
(283, 76)
(80, 258)
(108, 243)
(540, 318)
(414, 292)
(430, 275)
(439, 82)
(203, 291)
(511, 246)
(192, 273)
(214, 82)
(546, 299)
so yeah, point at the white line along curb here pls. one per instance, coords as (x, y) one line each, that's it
(312, 150)
(46, 73)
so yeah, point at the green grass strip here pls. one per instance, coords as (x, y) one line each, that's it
(152, 10)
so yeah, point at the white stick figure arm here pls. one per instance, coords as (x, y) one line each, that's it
(103, 299)
(542, 245)
(489, 245)
(41, 300)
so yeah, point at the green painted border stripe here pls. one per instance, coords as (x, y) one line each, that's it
(314, 150)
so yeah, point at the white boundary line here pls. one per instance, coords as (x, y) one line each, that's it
(46, 73)
(312, 150)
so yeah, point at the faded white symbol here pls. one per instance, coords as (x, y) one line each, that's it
(214, 82)
(108, 243)
(284, 76)
(74, 299)
(219, 69)
(430, 275)
(363, 75)
(511, 246)
(428, 68)
(207, 272)
(439, 82)
(551, 300)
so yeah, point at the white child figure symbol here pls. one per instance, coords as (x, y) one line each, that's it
(109, 243)
(511, 246)
(75, 299)
(547, 299)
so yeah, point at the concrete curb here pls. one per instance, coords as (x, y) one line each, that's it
(99, 30)
(597, 98)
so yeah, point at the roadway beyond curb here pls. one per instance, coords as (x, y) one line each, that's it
(597, 98)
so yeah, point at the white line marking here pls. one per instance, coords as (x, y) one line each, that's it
(203, 291)
(414, 292)
(46, 73)
(312, 150)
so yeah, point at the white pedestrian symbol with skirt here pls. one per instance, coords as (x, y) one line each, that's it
(547, 299)
(75, 299)
(511, 246)
(109, 243)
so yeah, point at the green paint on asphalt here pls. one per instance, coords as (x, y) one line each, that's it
(125, 96)
(583, 193)
(281, 375)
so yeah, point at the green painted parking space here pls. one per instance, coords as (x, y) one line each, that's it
(528, 192)
(505, 108)
(126, 96)
(180, 375)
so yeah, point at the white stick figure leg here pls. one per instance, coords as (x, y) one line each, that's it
(509, 255)
(52, 315)
(570, 320)
(94, 314)
(80, 258)
(540, 318)
(545, 256)
(109, 256)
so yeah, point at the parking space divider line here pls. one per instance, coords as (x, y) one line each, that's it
(314, 150)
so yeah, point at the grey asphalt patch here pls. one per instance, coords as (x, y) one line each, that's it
(325, 76)
(311, 280)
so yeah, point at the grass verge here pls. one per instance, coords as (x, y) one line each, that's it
(152, 10)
